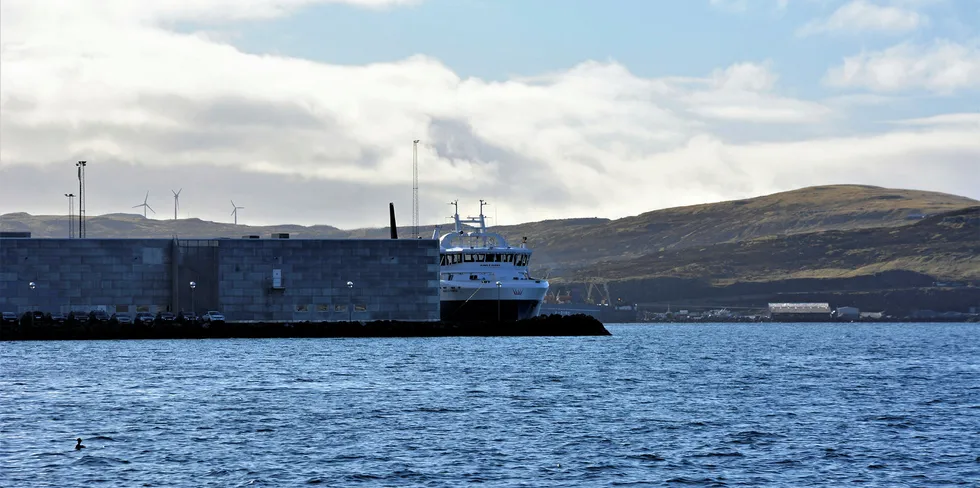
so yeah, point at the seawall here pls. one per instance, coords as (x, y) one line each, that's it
(554, 325)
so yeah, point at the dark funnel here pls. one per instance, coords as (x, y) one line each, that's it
(391, 216)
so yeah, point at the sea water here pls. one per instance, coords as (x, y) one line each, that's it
(652, 405)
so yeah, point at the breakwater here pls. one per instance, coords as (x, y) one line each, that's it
(554, 325)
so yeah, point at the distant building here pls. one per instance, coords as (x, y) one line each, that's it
(15, 235)
(800, 312)
(848, 313)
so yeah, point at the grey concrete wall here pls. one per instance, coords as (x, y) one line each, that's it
(393, 279)
(84, 274)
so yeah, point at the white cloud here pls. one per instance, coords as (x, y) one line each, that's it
(311, 142)
(863, 16)
(745, 92)
(942, 67)
(966, 120)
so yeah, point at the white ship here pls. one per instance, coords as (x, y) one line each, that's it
(483, 278)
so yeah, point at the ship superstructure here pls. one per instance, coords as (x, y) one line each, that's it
(482, 277)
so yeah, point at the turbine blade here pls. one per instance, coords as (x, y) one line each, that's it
(232, 203)
(151, 209)
(137, 206)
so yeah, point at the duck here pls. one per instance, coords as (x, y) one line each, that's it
(79, 445)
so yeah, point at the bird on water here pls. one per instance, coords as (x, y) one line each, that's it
(79, 445)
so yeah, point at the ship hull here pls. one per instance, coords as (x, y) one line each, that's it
(516, 301)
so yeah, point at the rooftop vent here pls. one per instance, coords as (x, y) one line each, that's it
(280, 235)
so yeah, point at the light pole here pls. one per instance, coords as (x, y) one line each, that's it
(350, 299)
(193, 285)
(32, 285)
(71, 214)
(498, 301)
(81, 198)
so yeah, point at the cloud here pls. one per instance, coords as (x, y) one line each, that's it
(964, 120)
(862, 16)
(745, 92)
(300, 141)
(941, 67)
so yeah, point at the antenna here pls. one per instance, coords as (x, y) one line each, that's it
(415, 189)
(145, 205)
(176, 201)
(235, 211)
(483, 222)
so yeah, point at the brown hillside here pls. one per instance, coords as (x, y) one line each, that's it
(945, 247)
(840, 207)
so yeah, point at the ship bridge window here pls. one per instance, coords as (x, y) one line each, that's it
(480, 257)
(508, 258)
(467, 258)
(496, 257)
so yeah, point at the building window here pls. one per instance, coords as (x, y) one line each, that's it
(322, 307)
(360, 307)
(302, 308)
(122, 308)
(142, 308)
(340, 308)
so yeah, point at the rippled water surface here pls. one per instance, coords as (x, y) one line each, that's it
(661, 405)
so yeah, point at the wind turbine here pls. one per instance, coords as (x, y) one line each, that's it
(235, 211)
(145, 205)
(176, 201)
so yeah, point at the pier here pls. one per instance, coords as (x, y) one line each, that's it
(553, 325)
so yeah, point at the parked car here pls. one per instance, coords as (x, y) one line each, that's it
(10, 317)
(57, 318)
(167, 316)
(190, 317)
(123, 318)
(213, 316)
(143, 318)
(81, 317)
(38, 315)
(101, 315)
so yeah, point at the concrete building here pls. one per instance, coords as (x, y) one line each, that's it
(277, 279)
(800, 312)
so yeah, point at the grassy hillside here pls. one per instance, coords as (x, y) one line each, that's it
(562, 246)
(945, 246)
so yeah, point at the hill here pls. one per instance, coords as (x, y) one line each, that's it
(944, 246)
(561, 247)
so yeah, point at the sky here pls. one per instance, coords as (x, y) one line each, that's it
(304, 111)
